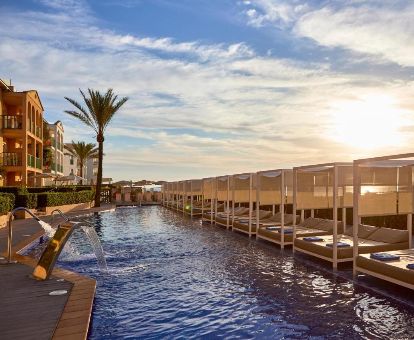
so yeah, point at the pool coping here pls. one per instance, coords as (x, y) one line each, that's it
(75, 318)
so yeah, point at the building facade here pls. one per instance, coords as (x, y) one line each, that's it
(92, 170)
(21, 144)
(54, 143)
(71, 165)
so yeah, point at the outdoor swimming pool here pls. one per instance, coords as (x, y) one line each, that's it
(170, 277)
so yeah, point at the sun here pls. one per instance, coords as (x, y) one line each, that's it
(370, 122)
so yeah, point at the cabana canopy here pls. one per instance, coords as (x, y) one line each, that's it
(315, 185)
(271, 191)
(223, 186)
(242, 186)
(208, 188)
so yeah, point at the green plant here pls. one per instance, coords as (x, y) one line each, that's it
(52, 199)
(26, 200)
(83, 151)
(101, 108)
(6, 203)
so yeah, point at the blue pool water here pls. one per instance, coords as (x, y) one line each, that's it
(170, 277)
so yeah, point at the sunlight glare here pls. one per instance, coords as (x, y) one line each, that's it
(371, 122)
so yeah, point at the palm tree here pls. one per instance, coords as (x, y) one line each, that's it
(100, 109)
(83, 152)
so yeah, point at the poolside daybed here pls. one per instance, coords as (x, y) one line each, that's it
(275, 189)
(371, 239)
(242, 186)
(394, 271)
(385, 187)
(322, 186)
(310, 227)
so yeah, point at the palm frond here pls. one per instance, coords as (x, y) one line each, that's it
(83, 115)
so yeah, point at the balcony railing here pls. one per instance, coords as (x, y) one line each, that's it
(12, 122)
(31, 161)
(34, 162)
(11, 158)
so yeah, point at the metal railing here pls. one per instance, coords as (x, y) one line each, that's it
(12, 122)
(11, 158)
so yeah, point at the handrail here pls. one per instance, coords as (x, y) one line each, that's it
(10, 231)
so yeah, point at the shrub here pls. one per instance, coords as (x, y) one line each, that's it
(52, 199)
(6, 203)
(10, 190)
(26, 200)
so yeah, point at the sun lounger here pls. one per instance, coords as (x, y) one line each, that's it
(308, 228)
(207, 214)
(277, 220)
(371, 239)
(221, 219)
(396, 271)
(242, 222)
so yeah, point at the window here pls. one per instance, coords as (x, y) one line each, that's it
(71, 160)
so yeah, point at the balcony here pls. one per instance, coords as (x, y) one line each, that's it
(31, 161)
(12, 122)
(56, 167)
(11, 158)
(34, 162)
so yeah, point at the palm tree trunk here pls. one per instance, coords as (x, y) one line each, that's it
(99, 175)
(81, 172)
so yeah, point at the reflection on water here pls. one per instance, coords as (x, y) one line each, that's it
(173, 278)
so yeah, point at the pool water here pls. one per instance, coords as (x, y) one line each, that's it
(170, 277)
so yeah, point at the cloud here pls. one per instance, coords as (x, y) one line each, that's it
(377, 28)
(195, 109)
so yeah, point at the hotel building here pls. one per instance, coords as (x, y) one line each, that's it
(21, 145)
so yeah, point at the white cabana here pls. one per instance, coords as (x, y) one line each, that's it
(208, 199)
(275, 189)
(322, 186)
(223, 198)
(243, 187)
(384, 187)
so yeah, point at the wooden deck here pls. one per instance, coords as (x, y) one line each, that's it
(26, 309)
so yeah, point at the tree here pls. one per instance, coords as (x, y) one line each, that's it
(83, 152)
(98, 113)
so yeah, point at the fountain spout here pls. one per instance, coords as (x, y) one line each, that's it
(50, 255)
(60, 213)
(10, 231)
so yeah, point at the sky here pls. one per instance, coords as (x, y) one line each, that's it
(219, 87)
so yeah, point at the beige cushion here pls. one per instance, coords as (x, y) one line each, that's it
(363, 231)
(389, 235)
(310, 222)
